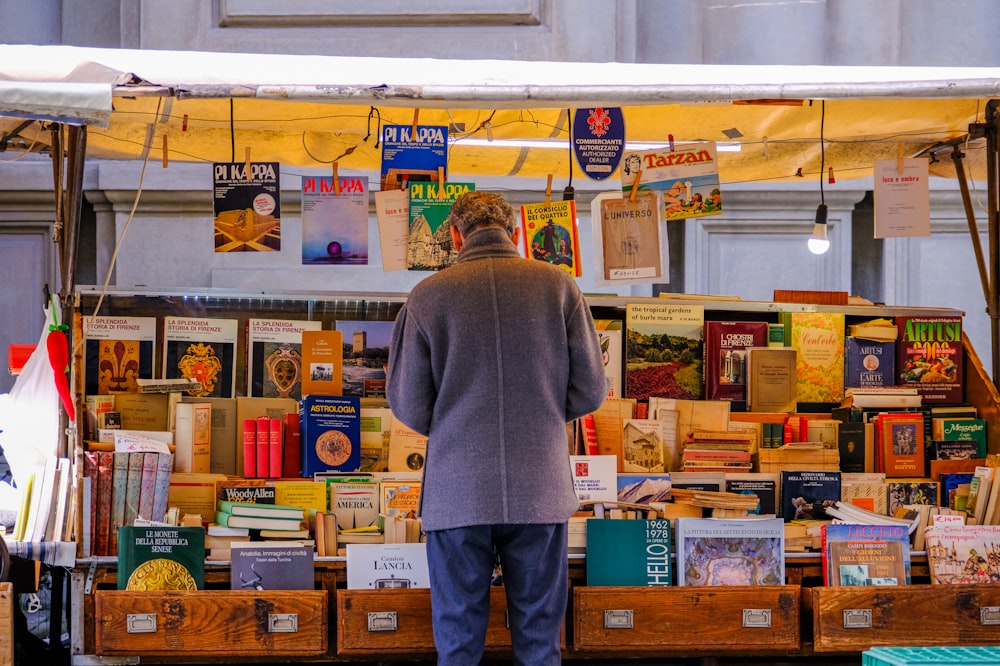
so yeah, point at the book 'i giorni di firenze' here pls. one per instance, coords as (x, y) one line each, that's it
(202, 349)
(274, 357)
(726, 343)
(929, 356)
(548, 233)
(117, 351)
(629, 552)
(818, 339)
(161, 558)
(664, 351)
(720, 552)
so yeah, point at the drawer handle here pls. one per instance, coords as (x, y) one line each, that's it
(759, 618)
(283, 623)
(617, 619)
(384, 621)
(141, 623)
(857, 618)
(989, 615)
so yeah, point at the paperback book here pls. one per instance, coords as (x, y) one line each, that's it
(334, 221)
(664, 351)
(548, 232)
(963, 554)
(772, 386)
(331, 434)
(629, 552)
(117, 351)
(644, 488)
(201, 349)
(595, 478)
(322, 362)
(247, 206)
(722, 552)
(274, 357)
(610, 333)
(929, 357)
(274, 565)
(161, 558)
(860, 555)
(376, 566)
(366, 354)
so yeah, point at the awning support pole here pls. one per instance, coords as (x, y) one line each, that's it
(992, 131)
(970, 215)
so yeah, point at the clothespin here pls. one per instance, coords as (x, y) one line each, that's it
(635, 185)
(247, 154)
(670, 141)
(184, 123)
(831, 179)
(548, 191)
(166, 160)
(763, 147)
(440, 182)
(413, 129)
(336, 180)
(798, 172)
(899, 158)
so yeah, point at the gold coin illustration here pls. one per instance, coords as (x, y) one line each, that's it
(333, 447)
(161, 574)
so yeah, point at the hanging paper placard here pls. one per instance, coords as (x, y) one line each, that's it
(598, 140)
(902, 198)
(688, 176)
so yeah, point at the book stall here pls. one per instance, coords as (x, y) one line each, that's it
(219, 469)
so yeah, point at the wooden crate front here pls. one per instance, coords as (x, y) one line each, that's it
(211, 623)
(977, 610)
(387, 622)
(687, 619)
(853, 619)
(6, 624)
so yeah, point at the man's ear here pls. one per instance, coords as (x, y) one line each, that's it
(456, 238)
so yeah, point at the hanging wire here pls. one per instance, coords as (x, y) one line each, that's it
(568, 192)
(822, 149)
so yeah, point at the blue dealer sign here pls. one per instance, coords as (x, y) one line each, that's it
(598, 140)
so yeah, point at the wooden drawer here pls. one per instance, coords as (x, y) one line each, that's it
(977, 614)
(687, 619)
(853, 619)
(390, 622)
(211, 623)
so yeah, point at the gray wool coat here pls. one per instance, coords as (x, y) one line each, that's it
(490, 358)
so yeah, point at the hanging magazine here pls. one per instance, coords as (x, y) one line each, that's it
(428, 245)
(548, 232)
(688, 177)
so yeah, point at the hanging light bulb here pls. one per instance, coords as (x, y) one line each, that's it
(818, 243)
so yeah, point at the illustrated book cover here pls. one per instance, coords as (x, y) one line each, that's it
(818, 338)
(644, 488)
(595, 478)
(335, 221)
(929, 357)
(647, 446)
(721, 552)
(322, 362)
(869, 363)
(610, 332)
(378, 566)
(202, 349)
(963, 554)
(548, 233)
(161, 558)
(664, 350)
(858, 555)
(400, 494)
(726, 344)
(629, 245)
(354, 501)
(428, 244)
(801, 490)
(901, 444)
(765, 485)
(331, 434)
(687, 175)
(263, 565)
(772, 384)
(117, 351)
(366, 353)
(629, 552)
(274, 357)
(412, 153)
(247, 206)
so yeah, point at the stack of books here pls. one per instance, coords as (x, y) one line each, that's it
(718, 451)
(269, 518)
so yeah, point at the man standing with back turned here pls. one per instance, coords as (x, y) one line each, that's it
(490, 358)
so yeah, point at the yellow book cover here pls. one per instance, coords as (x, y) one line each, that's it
(548, 233)
(818, 338)
(194, 494)
(307, 494)
(322, 362)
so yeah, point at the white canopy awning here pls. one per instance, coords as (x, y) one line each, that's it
(309, 111)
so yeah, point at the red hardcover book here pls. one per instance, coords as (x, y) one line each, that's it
(726, 343)
(292, 460)
(589, 429)
(263, 447)
(105, 467)
(274, 457)
(901, 442)
(249, 448)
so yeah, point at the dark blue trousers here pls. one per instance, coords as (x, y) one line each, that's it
(533, 560)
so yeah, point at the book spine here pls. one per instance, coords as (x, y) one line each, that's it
(292, 458)
(249, 448)
(102, 510)
(90, 471)
(161, 491)
(119, 482)
(147, 484)
(133, 485)
(274, 456)
(589, 428)
(263, 447)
